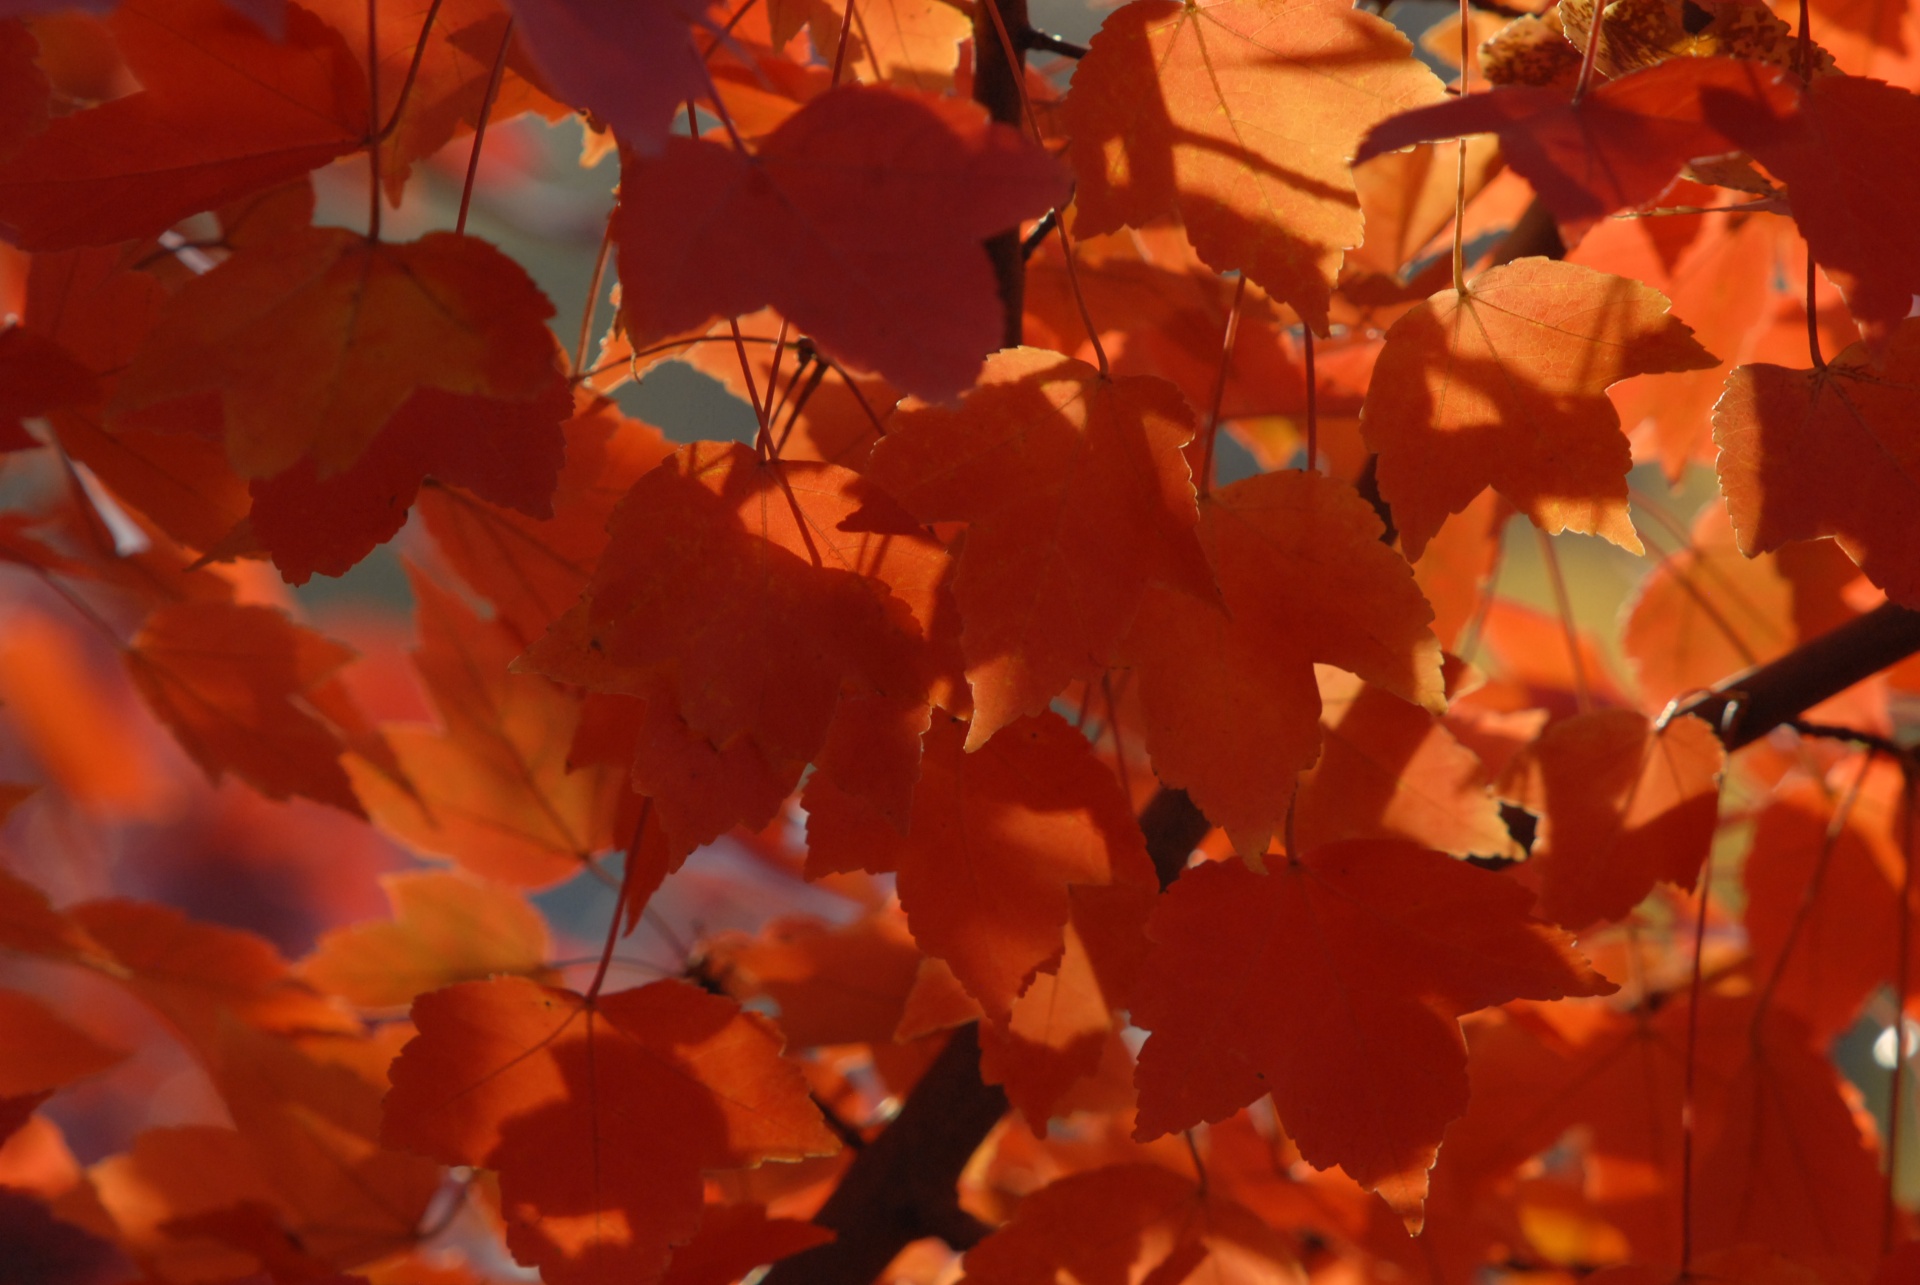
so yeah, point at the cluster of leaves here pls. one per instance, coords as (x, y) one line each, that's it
(934, 639)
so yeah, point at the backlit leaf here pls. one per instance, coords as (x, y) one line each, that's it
(1504, 386)
(599, 1116)
(1242, 116)
(1076, 496)
(1366, 954)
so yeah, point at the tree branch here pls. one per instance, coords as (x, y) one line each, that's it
(1747, 706)
(996, 87)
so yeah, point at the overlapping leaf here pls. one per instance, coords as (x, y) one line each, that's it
(1848, 150)
(1076, 496)
(632, 65)
(313, 342)
(1504, 386)
(492, 788)
(1623, 805)
(600, 1115)
(1831, 452)
(1335, 983)
(1231, 707)
(1241, 116)
(1389, 769)
(752, 606)
(231, 681)
(877, 259)
(445, 929)
(996, 840)
(1617, 148)
(224, 109)
(1130, 1223)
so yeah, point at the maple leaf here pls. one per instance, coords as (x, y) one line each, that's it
(1103, 1226)
(1623, 804)
(631, 64)
(600, 1115)
(1046, 444)
(1231, 707)
(1059, 1030)
(1829, 452)
(1848, 150)
(1822, 956)
(877, 260)
(1335, 982)
(1503, 386)
(996, 840)
(201, 977)
(915, 43)
(445, 929)
(1242, 116)
(1617, 148)
(834, 986)
(223, 110)
(750, 600)
(492, 788)
(1389, 769)
(532, 569)
(229, 680)
(508, 452)
(313, 342)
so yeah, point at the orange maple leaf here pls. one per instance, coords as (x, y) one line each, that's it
(492, 788)
(1335, 982)
(892, 279)
(600, 1115)
(224, 110)
(1623, 805)
(1132, 1223)
(996, 840)
(1076, 495)
(1232, 709)
(1504, 386)
(229, 680)
(748, 604)
(314, 341)
(1830, 452)
(1242, 116)
(1617, 148)
(445, 929)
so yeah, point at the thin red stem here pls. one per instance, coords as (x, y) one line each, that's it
(1460, 154)
(620, 903)
(840, 46)
(593, 302)
(413, 74)
(753, 387)
(1810, 895)
(1591, 55)
(1079, 299)
(1220, 385)
(480, 127)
